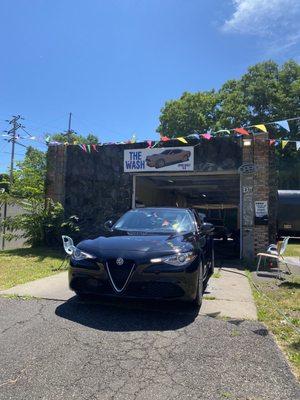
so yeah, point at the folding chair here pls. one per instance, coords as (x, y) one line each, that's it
(276, 252)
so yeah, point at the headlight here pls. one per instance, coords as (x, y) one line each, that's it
(81, 255)
(176, 259)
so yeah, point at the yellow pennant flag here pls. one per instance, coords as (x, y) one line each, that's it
(261, 127)
(182, 139)
(284, 143)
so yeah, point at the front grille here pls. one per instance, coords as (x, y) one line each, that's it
(119, 274)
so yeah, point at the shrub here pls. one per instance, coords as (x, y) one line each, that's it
(40, 223)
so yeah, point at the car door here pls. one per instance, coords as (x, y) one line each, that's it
(169, 157)
(177, 156)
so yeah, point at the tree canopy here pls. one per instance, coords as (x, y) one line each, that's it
(267, 92)
(74, 138)
(29, 177)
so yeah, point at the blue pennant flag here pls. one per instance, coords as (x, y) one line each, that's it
(284, 124)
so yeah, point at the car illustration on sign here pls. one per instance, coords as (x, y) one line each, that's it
(168, 157)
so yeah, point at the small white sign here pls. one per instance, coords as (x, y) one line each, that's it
(162, 159)
(261, 209)
(247, 189)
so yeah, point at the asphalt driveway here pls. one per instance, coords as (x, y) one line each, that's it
(70, 350)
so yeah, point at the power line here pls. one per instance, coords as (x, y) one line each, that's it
(8, 152)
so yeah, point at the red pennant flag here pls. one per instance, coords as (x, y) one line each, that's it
(272, 141)
(149, 143)
(241, 131)
(94, 146)
(83, 146)
(164, 139)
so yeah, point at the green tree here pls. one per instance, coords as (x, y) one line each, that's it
(74, 138)
(265, 93)
(4, 183)
(42, 221)
(193, 111)
(29, 177)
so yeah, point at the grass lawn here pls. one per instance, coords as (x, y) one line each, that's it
(293, 249)
(285, 297)
(24, 265)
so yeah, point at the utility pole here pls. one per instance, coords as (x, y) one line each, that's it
(69, 132)
(12, 133)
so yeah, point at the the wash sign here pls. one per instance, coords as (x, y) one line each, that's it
(162, 159)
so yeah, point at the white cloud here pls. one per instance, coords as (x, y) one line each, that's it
(278, 21)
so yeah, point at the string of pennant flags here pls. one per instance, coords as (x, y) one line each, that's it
(246, 132)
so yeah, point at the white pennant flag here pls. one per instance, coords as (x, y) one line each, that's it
(297, 145)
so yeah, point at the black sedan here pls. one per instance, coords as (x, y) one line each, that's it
(156, 253)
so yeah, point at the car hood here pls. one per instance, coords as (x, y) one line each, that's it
(125, 245)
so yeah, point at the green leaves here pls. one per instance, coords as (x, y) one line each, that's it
(267, 92)
(74, 138)
(191, 112)
(39, 223)
(29, 177)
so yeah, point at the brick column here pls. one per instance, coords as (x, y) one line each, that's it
(262, 191)
(247, 215)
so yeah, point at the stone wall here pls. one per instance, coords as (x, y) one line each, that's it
(96, 187)
(56, 173)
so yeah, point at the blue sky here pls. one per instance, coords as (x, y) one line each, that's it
(114, 63)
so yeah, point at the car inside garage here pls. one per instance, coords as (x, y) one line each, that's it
(216, 196)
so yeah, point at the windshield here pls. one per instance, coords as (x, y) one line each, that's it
(156, 220)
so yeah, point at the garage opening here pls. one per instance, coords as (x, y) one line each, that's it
(216, 196)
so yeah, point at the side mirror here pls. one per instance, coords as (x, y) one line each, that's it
(108, 225)
(68, 245)
(207, 228)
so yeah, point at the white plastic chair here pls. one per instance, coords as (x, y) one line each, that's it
(276, 252)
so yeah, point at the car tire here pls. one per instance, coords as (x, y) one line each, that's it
(160, 163)
(198, 298)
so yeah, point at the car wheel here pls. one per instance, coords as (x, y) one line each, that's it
(198, 299)
(160, 163)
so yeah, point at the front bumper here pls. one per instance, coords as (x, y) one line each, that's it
(147, 281)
